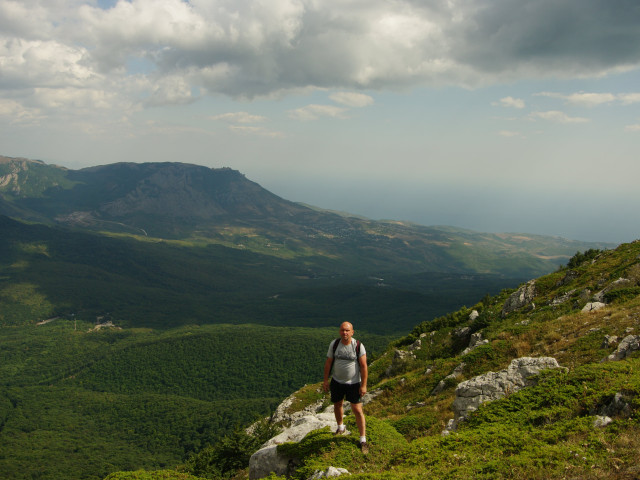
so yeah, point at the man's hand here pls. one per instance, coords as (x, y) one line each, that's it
(363, 390)
(325, 386)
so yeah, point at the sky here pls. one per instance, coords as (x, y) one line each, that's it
(492, 115)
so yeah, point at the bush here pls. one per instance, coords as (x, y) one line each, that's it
(579, 258)
(156, 475)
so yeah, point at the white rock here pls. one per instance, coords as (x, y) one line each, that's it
(329, 472)
(602, 421)
(629, 344)
(494, 385)
(593, 306)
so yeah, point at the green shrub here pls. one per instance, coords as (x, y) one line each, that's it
(413, 425)
(154, 475)
(621, 294)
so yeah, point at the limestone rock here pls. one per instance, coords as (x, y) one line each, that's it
(593, 306)
(601, 421)
(618, 406)
(620, 282)
(560, 299)
(329, 472)
(520, 298)
(629, 344)
(267, 459)
(494, 385)
(462, 332)
(417, 345)
(473, 315)
(475, 341)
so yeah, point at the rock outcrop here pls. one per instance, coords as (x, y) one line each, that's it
(620, 282)
(593, 306)
(520, 298)
(329, 472)
(268, 459)
(472, 393)
(475, 341)
(629, 344)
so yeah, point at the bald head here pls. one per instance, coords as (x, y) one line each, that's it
(346, 332)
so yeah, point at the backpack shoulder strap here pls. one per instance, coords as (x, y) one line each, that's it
(336, 342)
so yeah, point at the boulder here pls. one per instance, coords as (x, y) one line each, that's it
(520, 298)
(609, 341)
(462, 332)
(616, 406)
(601, 421)
(268, 460)
(417, 345)
(474, 342)
(629, 344)
(494, 385)
(329, 472)
(473, 315)
(593, 306)
(565, 297)
(620, 282)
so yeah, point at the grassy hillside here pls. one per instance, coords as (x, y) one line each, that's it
(547, 430)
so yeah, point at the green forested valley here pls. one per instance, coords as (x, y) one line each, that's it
(80, 404)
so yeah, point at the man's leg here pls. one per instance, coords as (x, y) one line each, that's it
(338, 411)
(356, 408)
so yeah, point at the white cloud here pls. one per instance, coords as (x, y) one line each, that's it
(510, 102)
(583, 99)
(629, 98)
(170, 90)
(557, 117)
(509, 133)
(258, 131)
(239, 117)
(313, 112)
(632, 128)
(352, 99)
(16, 113)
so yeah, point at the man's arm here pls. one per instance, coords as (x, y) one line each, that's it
(327, 371)
(364, 374)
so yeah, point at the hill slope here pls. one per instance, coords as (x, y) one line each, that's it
(581, 420)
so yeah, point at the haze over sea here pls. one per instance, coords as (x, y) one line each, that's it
(516, 116)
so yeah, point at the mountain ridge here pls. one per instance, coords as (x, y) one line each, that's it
(175, 200)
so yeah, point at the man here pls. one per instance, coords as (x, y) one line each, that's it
(349, 380)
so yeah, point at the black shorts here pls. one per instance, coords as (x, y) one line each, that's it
(339, 391)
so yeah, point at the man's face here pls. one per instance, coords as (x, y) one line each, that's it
(346, 332)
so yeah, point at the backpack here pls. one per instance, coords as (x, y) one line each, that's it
(336, 342)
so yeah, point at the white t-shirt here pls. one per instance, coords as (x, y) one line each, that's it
(346, 368)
